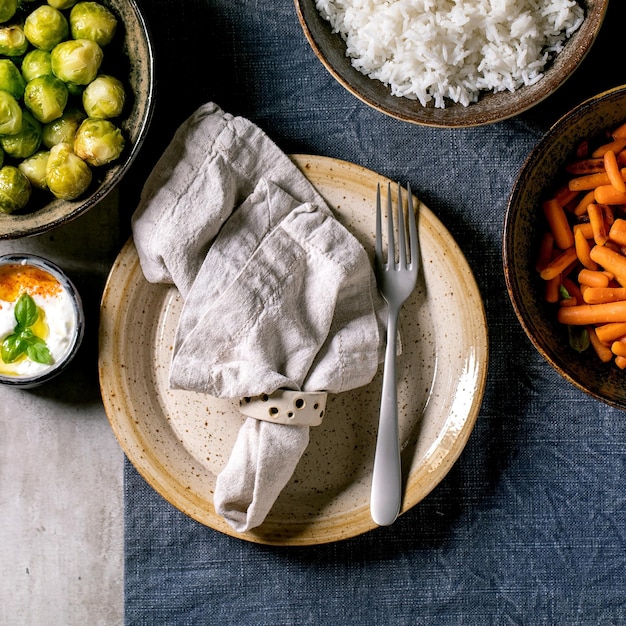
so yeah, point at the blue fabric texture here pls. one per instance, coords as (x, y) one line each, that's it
(529, 526)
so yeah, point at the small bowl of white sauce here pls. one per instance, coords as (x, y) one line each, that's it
(41, 320)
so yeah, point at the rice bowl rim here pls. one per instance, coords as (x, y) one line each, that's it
(330, 49)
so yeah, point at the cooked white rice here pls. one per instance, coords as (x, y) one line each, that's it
(433, 50)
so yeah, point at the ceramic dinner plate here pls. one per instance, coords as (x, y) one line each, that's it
(179, 440)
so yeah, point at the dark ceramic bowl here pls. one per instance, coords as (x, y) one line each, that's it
(522, 231)
(73, 332)
(130, 58)
(491, 107)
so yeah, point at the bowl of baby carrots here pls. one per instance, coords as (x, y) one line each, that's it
(564, 246)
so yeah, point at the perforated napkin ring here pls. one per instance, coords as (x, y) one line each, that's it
(297, 408)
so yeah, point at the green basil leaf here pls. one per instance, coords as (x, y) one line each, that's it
(24, 333)
(578, 338)
(13, 347)
(23, 339)
(38, 350)
(26, 312)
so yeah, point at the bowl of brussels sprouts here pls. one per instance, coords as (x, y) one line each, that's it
(76, 101)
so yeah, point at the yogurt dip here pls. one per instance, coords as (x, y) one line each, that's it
(55, 322)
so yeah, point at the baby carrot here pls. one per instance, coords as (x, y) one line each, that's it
(599, 295)
(604, 352)
(585, 166)
(620, 361)
(610, 260)
(593, 278)
(551, 293)
(615, 146)
(589, 181)
(613, 172)
(619, 132)
(611, 331)
(565, 196)
(557, 220)
(583, 249)
(582, 149)
(618, 348)
(609, 217)
(598, 227)
(585, 227)
(607, 194)
(560, 263)
(585, 314)
(617, 232)
(584, 202)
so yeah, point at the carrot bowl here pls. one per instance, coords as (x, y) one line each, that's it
(567, 234)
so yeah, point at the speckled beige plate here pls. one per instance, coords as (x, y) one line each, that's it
(179, 441)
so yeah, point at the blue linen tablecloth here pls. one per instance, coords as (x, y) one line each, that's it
(529, 526)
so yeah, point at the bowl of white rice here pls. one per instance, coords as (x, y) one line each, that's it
(451, 63)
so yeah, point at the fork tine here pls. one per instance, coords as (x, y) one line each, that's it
(413, 240)
(391, 244)
(379, 237)
(402, 258)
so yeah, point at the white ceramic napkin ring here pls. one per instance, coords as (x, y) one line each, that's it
(296, 408)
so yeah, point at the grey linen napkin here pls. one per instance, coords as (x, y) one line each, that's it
(277, 293)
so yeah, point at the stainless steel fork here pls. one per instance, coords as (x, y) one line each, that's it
(396, 278)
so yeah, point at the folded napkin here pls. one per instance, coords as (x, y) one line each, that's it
(277, 293)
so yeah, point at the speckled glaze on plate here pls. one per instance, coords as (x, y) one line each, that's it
(491, 107)
(522, 232)
(179, 441)
(131, 59)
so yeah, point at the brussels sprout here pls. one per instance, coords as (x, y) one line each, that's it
(76, 61)
(63, 129)
(62, 4)
(98, 142)
(14, 189)
(45, 97)
(45, 27)
(90, 20)
(67, 175)
(34, 168)
(7, 9)
(10, 114)
(104, 97)
(13, 42)
(36, 63)
(10, 79)
(27, 141)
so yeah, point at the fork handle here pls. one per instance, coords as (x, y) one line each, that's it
(386, 494)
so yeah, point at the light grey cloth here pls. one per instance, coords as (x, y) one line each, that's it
(277, 293)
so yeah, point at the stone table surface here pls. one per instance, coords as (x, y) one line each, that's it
(61, 468)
